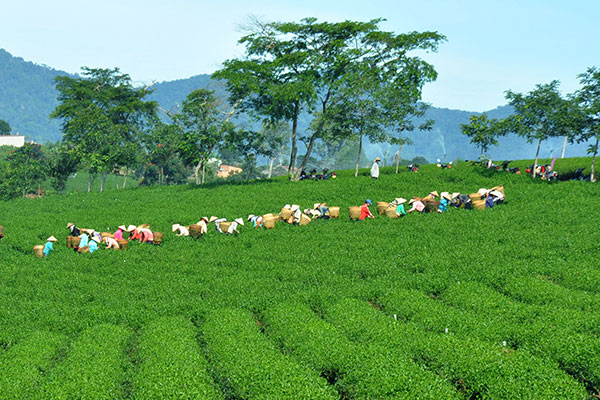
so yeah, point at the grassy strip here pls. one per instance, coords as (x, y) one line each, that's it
(24, 365)
(360, 371)
(170, 363)
(94, 367)
(477, 368)
(251, 367)
(541, 330)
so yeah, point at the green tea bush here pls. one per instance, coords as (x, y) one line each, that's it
(477, 369)
(170, 364)
(359, 371)
(250, 366)
(25, 365)
(94, 367)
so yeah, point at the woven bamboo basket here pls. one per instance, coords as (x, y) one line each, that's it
(381, 207)
(431, 206)
(195, 231)
(123, 244)
(304, 220)
(158, 238)
(390, 212)
(69, 242)
(499, 188)
(75, 241)
(224, 226)
(285, 213)
(1, 231)
(354, 212)
(334, 212)
(269, 221)
(85, 249)
(474, 197)
(38, 251)
(107, 234)
(479, 204)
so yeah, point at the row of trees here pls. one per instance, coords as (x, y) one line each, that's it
(544, 113)
(351, 79)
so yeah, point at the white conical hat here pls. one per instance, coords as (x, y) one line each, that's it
(400, 200)
(51, 239)
(122, 227)
(174, 227)
(316, 205)
(213, 219)
(239, 221)
(130, 228)
(295, 207)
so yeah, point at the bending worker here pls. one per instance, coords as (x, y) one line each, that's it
(364, 210)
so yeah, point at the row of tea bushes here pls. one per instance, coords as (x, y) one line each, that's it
(170, 363)
(551, 334)
(94, 367)
(477, 368)
(358, 371)
(249, 366)
(23, 366)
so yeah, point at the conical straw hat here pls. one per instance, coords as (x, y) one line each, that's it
(51, 239)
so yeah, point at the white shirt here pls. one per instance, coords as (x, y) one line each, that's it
(233, 228)
(375, 170)
(183, 231)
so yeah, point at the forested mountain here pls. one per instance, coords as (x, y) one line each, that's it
(27, 97)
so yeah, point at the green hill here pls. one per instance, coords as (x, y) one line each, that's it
(27, 97)
(497, 303)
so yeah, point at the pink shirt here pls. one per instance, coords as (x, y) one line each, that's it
(119, 234)
(148, 236)
(417, 205)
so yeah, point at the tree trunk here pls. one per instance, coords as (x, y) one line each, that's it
(125, 178)
(309, 149)
(537, 153)
(90, 182)
(562, 155)
(162, 175)
(398, 158)
(102, 179)
(203, 172)
(592, 176)
(292, 165)
(358, 157)
(117, 180)
(196, 175)
(271, 167)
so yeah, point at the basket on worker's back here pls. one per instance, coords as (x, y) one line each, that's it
(304, 220)
(381, 207)
(269, 221)
(431, 206)
(158, 238)
(499, 188)
(75, 241)
(107, 234)
(69, 242)
(195, 231)
(479, 204)
(123, 244)
(390, 212)
(38, 251)
(225, 226)
(285, 213)
(334, 212)
(354, 212)
(475, 196)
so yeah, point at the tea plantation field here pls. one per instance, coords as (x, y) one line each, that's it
(500, 303)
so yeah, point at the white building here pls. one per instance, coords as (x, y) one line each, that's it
(12, 140)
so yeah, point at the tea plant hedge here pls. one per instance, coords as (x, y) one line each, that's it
(308, 312)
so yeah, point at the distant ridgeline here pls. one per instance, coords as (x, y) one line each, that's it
(27, 97)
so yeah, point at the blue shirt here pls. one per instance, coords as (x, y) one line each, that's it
(84, 240)
(443, 205)
(47, 248)
(400, 209)
(93, 246)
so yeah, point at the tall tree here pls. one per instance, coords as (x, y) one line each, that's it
(318, 60)
(62, 161)
(588, 99)
(483, 131)
(27, 167)
(4, 127)
(539, 115)
(204, 122)
(162, 143)
(102, 115)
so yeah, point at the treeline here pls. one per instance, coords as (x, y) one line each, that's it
(544, 113)
(353, 80)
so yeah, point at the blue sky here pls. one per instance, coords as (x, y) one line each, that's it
(492, 45)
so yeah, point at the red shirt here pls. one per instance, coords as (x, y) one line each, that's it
(365, 212)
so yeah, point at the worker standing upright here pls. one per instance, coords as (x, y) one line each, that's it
(375, 169)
